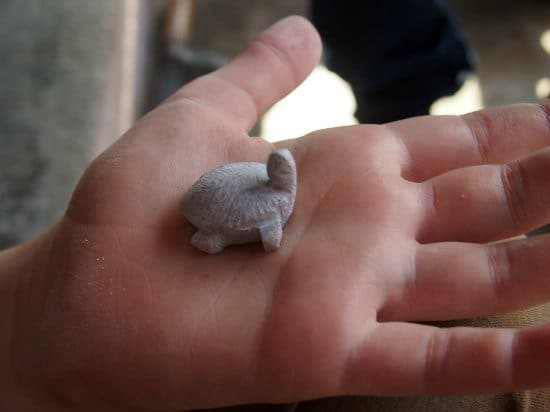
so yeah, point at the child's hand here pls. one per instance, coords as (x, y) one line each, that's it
(115, 309)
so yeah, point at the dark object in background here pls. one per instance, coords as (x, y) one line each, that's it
(399, 56)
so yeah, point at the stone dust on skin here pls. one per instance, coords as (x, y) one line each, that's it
(242, 203)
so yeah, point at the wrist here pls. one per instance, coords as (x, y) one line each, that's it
(20, 270)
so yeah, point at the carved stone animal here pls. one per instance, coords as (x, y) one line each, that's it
(241, 203)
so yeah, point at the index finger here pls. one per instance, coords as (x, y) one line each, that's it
(438, 144)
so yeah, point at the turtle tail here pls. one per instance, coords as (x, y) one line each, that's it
(281, 170)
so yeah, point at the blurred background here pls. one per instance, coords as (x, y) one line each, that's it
(77, 73)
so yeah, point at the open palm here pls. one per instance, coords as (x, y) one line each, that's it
(132, 317)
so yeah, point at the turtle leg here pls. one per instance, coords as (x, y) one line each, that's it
(271, 235)
(208, 242)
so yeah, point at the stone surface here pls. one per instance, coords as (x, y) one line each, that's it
(51, 87)
(69, 85)
(242, 203)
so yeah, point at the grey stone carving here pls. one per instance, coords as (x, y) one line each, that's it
(242, 203)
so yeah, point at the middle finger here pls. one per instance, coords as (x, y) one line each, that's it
(486, 203)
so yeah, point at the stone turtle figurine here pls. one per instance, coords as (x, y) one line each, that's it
(241, 203)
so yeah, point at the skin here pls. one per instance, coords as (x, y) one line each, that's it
(113, 310)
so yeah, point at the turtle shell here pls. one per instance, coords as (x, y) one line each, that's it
(236, 197)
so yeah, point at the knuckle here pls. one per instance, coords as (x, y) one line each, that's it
(544, 107)
(514, 185)
(478, 125)
(268, 47)
(499, 264)
(435, 359)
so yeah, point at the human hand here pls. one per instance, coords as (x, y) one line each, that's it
(115, 310)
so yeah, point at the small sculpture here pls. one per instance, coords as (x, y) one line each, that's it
(241, 203)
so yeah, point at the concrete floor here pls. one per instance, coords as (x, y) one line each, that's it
(74, 76)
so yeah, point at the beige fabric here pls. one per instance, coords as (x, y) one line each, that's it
(526, 401)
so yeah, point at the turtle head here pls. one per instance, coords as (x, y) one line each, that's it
(281, 170)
